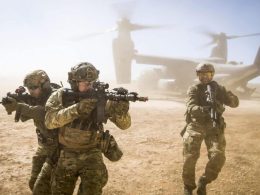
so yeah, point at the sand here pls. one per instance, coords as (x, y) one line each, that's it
(152, 161)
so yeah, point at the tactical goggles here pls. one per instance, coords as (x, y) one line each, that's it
(208, 74)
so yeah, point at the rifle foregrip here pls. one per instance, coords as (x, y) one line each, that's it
(17, 116)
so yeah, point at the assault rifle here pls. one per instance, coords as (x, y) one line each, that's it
(211, 101)
(102, 94)
(20, 96)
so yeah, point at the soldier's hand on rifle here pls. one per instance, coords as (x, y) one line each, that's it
(118, 107)
(10, 105)
(233, 100)
(85, 106)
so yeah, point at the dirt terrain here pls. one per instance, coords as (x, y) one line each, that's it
(152, 161)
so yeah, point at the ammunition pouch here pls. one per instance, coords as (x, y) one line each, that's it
(109, 147)
(76, 139)
(83, 140)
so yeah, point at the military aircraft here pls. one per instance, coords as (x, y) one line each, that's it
(178, 73)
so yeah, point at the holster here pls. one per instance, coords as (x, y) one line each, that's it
(45, 140)
(105, 141)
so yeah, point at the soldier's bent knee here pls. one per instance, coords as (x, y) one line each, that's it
(99, 176)
(219, 159)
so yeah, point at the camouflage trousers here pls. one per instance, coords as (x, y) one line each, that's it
(215, 142)
(38, 160)
(87, 165)
(42, 185)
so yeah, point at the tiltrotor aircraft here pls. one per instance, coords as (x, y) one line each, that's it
(179, 72)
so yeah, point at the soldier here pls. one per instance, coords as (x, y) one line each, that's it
(39, 87)
(205, 106)
(79, 135)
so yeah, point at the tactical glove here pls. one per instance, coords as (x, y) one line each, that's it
(118, 107)
(86, 106)
(233, 100)
(10, 105)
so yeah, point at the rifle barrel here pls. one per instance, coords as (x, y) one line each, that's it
(143, 99)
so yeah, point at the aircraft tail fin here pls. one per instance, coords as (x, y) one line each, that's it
(257, 60)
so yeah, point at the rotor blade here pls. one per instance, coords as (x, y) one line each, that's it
(240, 36)
(210, 34)
(208, 44)
(143, 27)
(88, 35)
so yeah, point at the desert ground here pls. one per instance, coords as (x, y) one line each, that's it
(152, 161)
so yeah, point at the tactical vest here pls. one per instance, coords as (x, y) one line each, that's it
(217, 91)
(82, 133)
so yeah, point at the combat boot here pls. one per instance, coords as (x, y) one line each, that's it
(202, 186)
(187, 190)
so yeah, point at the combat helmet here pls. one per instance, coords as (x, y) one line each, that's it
(205, 67)
(82, 72)
(37, 78)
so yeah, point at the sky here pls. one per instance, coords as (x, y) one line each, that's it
(40, 34)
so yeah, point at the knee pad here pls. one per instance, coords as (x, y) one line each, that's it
(218, 160)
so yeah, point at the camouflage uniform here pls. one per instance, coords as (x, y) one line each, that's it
(79, 138)
(34, 108)
(47, 140)
(200, 127)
